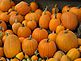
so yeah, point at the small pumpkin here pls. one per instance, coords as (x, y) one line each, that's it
(33, 6)
(23, 31)
(46, 48)
(58, 55)
(9, 31)
(12, 46)
(12, 13)
(22, 8)
(2, 59)
(63, 38)
(71, 19)
(1, 52)
(52, 59)
(39, 34)
(73, 54)
(32, 24)
(24, 22)
(14, 59)
(78, 59)
(34, 58)
(29, 46)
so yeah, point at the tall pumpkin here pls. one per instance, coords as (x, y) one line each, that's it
(66, 40)
(46, 48)
(12, 46)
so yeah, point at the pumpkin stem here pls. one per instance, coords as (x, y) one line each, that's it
(66, 31)
(16, 21)
(30, 37)
(56, 9)
(47, 40)
(53, 32)
(45, 9)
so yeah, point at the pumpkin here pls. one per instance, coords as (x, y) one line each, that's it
(71, 19)
(0, 42)
(65, 58)
(26, 56)
(20, 56)
(24, 22)
(52, 59)
(8, 31)
(3, 25)
(58, 55)
(12, 13)
(32, 24)
(78, 59)
(44, 21)
(21, 39)
(79, 41)
(39, 34)
(38, 11)
(34, 58)
(14, 17)
(33, 6)
(59, 28)
(26, 32)
(31, 16)
(66, 40)
(22, 8)
(29, 46)
(11, 46)
(73, 54)
(14, 59)
(46, 48)
(1, 12)
(52, 36)
(4, 16)
(15, 26)
(77, 12)
(5, 5)
(1, 52)
(53, 24)
(2, 59)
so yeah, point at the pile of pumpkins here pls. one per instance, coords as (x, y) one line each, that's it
(38, 35)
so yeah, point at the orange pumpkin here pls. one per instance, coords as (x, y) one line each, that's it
(5, 5)
(3, 25)
(2, 59)
(78, 59)
(79, 41)
(14, 59)
(12, 46)
(32, 24)
(69, 20)
(66, 36)
(23, 31)
(39, 34)
(46, 48)
(33, 6)
(24, 22)
(22, 8)
(9, 31)
(12, 13)
(21, 39)
(29, 46)
(34, 57)
(14, 17)
(1, 12)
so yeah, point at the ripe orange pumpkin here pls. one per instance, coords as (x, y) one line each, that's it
(46, 48)
(23, 31)
(52, 59)
(21, 39)
(9, 31)
(3, 25)
(12, 13)
(22, 8)
(14, 59)
(66, 36)
(12, 46)
(33, 6)
(5, 16)
(79, 41)
(5, 5)
(29, 46)
(1, 52)
(24, 22)
(34, 58)
(69, 20)
(39, 34)
(78, 59)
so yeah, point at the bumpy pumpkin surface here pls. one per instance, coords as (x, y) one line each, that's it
(12, 46)
(66, 40)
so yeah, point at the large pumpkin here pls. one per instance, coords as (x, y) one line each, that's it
(66, 40)
(69, 20)
(12, 46)
(22, 8)
(46, 48)
(29, 46)
(39, 34)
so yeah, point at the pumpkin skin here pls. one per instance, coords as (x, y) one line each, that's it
(12, 46)
(79, 41)
(78, 59)
(46, 48)
(33, 6)
(2, 59)
(26, 33)
(32, 24)
(12, 13)
(69, 18)
(5, 5)
(77, 12)
(1, 52)
(3, 25)
(34, 57)
(39, 34)
(22, 8)
(65, 58)
(58, 55)
(29, 46)
(73, 54)
(63, 38)
(52, 59)
(14, 59)
(9, 31)
(21, 39)
(53, 24)
(4, 16)
(14, 17)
